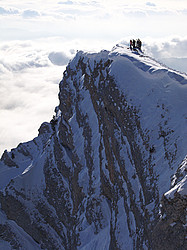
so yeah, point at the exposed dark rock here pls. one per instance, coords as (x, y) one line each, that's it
(170, 232)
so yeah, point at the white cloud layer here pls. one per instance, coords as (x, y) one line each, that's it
(99, 19)
(30, 72)
(28, 91)
(30, 14)
(171, 51)
(37, 40)
(8, 11)
(58, 58)
(170, 47)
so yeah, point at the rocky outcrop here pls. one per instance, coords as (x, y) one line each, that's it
(170, 232)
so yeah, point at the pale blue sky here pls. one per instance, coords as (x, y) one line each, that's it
(106, 20)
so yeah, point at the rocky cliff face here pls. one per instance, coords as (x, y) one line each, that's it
(96, 174)
(170, 232)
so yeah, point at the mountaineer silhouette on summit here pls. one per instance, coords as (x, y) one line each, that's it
(139, 44)
(136, 44)
(131, 44)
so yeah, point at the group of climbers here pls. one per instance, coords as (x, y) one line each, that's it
(135, 44)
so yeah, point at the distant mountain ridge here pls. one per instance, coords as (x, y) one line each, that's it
(109, 170)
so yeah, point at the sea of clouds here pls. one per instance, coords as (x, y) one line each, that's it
(30, 73)
(38, 39)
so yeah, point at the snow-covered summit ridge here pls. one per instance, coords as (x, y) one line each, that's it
(137, 57)
(148, 63)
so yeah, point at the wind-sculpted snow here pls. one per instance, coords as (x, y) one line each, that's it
(96, 174)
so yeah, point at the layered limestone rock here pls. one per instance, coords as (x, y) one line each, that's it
(95, 175)
(170, 232)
